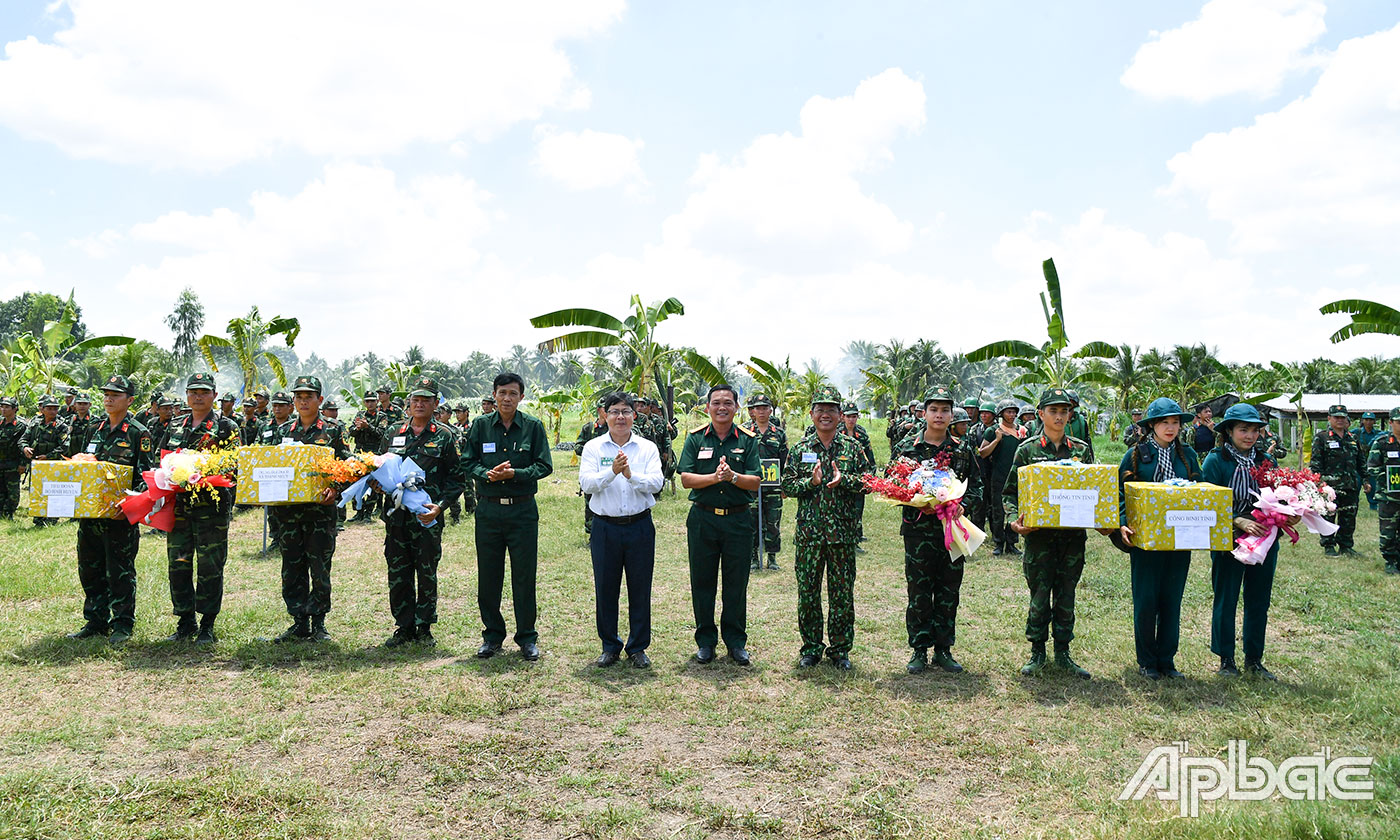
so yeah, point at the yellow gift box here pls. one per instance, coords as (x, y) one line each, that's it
(281, 475)
(1171, 518)
(1052, 495)
(78, 489)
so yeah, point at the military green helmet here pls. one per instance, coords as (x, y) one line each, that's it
(960, 415)
(1054, 396)
(1007, 403)
(989, 406)
(826, 394)
(971, 404)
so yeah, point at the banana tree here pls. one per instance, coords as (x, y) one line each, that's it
(246, 337)
(49, 358)
(1366, 317)
(361, 381)
(635, 335)
(774, 380)
(554, 404)
(401, 375)
(1047, 365)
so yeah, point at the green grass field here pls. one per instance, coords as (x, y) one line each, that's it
(348, 740)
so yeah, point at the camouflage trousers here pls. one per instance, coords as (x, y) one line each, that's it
(306, 538)
(934, 583)
(772, 519)
(838, 561)
(9, 492)
(995, 504)
(1389, 525)
(198, 539)
(107, 571)
(1052, 564)
(411, 553)
(1345, 519)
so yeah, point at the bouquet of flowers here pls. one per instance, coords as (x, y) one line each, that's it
(182, 471)
(399, 478)
(343, 474)
(933, 489)
(1284, 494)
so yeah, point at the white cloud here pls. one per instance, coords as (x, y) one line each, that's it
(20, 264)
(354, 252)
(168, 83)
(1323, 169)
(793, 202)
(1234, 47)
(98, 246)
(586, 160)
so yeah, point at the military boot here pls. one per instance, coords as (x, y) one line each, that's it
(772, 562)
(89, 630)
(206, 631)
(300, 629)
(1392, 569)
(319, 633)
(1256, 667)
(1227, 667)
(1036, 663)
(185, 629)
(1062, 659)
(918, 662)
(1329, 551)
(943, 658)
(754, 564)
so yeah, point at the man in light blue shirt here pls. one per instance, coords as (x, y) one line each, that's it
(622, 473)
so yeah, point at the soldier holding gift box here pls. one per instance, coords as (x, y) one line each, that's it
(1158, 577)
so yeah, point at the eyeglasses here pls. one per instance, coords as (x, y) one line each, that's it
(623, 412)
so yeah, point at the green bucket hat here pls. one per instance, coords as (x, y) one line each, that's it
(1054, 396)
(1162, 408)
(1370, 415)
(1239, 413)
(826, 394)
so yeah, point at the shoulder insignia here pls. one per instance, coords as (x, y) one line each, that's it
(698, 429)
(749, 432)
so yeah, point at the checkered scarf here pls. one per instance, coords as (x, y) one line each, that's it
(1164, 470)
(1242, 482)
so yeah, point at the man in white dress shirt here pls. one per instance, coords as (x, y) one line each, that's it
(622, 473)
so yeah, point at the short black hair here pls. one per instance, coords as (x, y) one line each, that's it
(723, 386)
(618, 397)
(504, 379)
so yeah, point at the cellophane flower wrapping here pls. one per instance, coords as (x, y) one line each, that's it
(398, 478)
(1283, 494)
(935, 490)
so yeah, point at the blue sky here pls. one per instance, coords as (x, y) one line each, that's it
(798, 174)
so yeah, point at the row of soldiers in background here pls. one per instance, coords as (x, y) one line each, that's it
(651, 423)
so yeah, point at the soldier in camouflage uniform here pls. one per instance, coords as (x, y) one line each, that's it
(367, 433)
(1366, 434)
(823, 472)
(80, 424)
(46, 439)
(226, 406)
(392, 412)
(1134, 434)
(1272, 445)
(145, 415)
(1383, 466)
(997, 448)
(248, 422)
(306, 532)
(1337, 457)
(269, 434)
(772, 443)
(160, 419)
(1054, 558)
(975, 501)
(1078, 425)
(12, 459)
(596, 427)
(850, 427)
(932, 577)
(200, 533)
(107, 547)
(464, 420)
(330, 409)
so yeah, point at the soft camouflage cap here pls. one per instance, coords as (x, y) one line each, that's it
(849, 408)
(1136, 411)
(330, 405)
(48, 400)
(307, 383)
(939, 394)
(200, 382)
(261, 392)
(826, 395)
(11, 402)
(1054, 396)
(167, 402)
(1394, 412)
(119, 383)
(1337, 411)
(281, 397)
(82, 398)
(370, 395)
(489, 399)
(249, 402)
(384, 389)
(762, 399)
(424, 387)
(227, 397)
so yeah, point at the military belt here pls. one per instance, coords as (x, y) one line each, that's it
(624, 520)
(723, 511)
(506, 500)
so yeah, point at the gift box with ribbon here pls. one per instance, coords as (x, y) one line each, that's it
(78, 489)
(1068, 494)
(1179, 515)
(288, 474)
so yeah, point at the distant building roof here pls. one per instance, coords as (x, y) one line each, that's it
(1315, 405)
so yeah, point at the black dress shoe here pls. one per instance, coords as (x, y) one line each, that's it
(740, 656)
(530, 651)
(809, 661)
(487, 650)
(996, 552)
(1149, 673)
(88, 631)
(1173, 674)
(841, 663)
(1013, 551)
(1256, 667)
(606, 658)
(640, 659)
(705, 655)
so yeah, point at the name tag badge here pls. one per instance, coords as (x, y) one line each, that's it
(704, 454)
(267, 434)
(739, 451)
(1394, 453)
(809, 457)
(488, 448)
(287, 440)
(399, 440)
(92, 449)
(606, 462)
(1332, 444)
